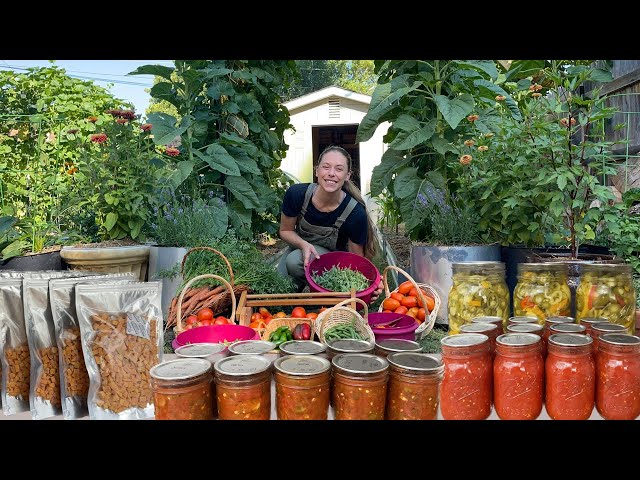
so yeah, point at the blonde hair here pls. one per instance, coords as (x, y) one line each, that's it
(370, 248)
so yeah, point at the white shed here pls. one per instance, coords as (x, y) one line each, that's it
(331, 117)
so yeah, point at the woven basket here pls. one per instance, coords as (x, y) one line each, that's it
(216, 302)
(342, 314)
(275, 323)
(426, 326)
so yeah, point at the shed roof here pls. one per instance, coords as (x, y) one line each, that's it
(327, 92)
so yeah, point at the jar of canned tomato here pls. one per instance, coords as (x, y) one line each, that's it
(359, 386)
(466, 390)
(542, 290)
(570, 373)
(302, 387)
(568, 328)
(243, 387)
(209, 351)
(346, 345)
(491, 330)
(387, 346)
(414, 380)
(499, 321)
(183, 390)
(601, 328)
(588, 323)
(518, 376)
(302, 347)
(534, 328)
(618, 376)
(554, 321)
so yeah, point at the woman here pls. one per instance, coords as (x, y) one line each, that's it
(325, 216)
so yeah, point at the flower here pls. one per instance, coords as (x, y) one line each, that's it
(13, 132)
(51, 137)
(536, 95)
(146, 127)
(172, 151)
(500, 98)
(483, 148)
(473, 118)
(92, 119)
(98, 137)
(465, 159)
(121, 121)
(469, 143)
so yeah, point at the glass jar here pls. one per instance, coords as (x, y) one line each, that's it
(302, 347)
(393, 345)
(568, 328)
(491, 330)
(183, 390)
(251, 347)
(414, 380)
(542, 290)
(518, 376)
(478, 289)
(570, 373)
(521, 319)
(534, 328)
(618, 377)
(606, 290)
(243, 387)
(588, 323)
(359, 389)
(499, 321)
(302, 387)
(334, 347)
(209, 351)
(466, 390)
(602, 328)
(554, 321)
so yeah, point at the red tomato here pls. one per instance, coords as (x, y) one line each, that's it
(205, 314)
(298, 312)
(206, 322)
(191, 319)
(220, 321)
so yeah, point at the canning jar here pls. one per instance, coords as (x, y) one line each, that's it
(534, 328)
(344, 345)
(491, 330)
(243, 387)
(209, 351)
(478, 289)
(618, 376)
(542, 290)
(414, 380)
(570, 377)
(302, 347)
(183, 390)
(359, 386)
(518, 376)
(251, 347)
(602, 328)
(466, 390)
(588, 323)
(499, 321)
(393, 345)
(568, 328)
(606, 290)
(302, 387)
(554, 321)
(522, 319)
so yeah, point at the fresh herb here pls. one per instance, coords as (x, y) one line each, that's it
(431, 343)
(339, 279)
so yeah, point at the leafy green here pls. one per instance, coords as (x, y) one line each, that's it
(339, 279)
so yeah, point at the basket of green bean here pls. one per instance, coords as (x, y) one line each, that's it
(342, 321)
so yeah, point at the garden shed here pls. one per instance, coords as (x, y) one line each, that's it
(331, 117)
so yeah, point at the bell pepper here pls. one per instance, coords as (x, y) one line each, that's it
(593, 293)
(527, 303)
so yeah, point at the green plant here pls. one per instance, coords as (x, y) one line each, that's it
(390, 213)
(621, 228)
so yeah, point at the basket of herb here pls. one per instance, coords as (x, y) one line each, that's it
(342, 272)
(341, 321)
(418, 300)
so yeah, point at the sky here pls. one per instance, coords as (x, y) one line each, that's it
(102, 72)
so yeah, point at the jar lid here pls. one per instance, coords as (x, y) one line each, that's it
(464, 339)
(567, 328)
(523, 319)
(607, 267)
(302, 347)
(524, 328)
(570, 339)
(479, 267)
(518, 339)
(347, 345)
(608, 327)
(560, 319)
(419, 362)
(486, 319)
(398, 345)
(620, 339)
(242, 365)
(251, 347)
(180, 369)
(592, 320)
(478, 327)
(302, 365)
(543, 267)
(359, 363)
(200, 350)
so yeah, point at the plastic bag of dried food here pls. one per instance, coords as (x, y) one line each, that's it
(74, 378)
(121, 334)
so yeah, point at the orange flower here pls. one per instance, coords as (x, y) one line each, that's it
(465, 159)
(469, 143)
(172, 152)
(98, 137)
(121, 121)
(92, 119)
(483, 148)
(472, 118)
(500, 98)
(13, 132)
(146, 127)
(535, 87)
(536, 95)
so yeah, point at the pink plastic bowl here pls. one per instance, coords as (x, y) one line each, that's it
(344, 259)
(215, 334)
(404, 329)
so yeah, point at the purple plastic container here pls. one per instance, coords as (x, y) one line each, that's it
(404, 329)
(215, 334)
(344, 259)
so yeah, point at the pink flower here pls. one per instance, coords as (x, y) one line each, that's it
(473, 118)
(146, 127)
(121, 121)
(465, 159)
(172, 152)
(51, 137)
(98, 138)
(500, 98)
(13, 132)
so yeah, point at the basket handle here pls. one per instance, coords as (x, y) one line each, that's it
(226, 260)
(200, 277)
(345, 303)
(410, 278)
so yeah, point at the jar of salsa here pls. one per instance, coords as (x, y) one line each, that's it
(466, 390)
(243, 387)
(302, 387)
(302, 347)
(183, 390)
(522, 319)
(518, 376)
(345, 345)
(542, 290)
(499, 321)
(394, 345)
(251, 347)
(618, 376)
(414, 380)
(359, 386)
(554, 321)
(568, 328)
(602, 328)
(209, 351)
(478, 289)
(491, 330)
(534, 328)
(570, 373)
(588, 323)
(606, 290)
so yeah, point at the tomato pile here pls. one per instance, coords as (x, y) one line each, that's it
(406, 301)
(204, 317)
(262, 317)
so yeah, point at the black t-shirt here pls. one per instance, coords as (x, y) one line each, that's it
(354, 228)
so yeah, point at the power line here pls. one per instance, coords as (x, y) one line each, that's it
(83, 77)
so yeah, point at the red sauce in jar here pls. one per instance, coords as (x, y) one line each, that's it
(243, 387)
(359, 389)
(302, 387)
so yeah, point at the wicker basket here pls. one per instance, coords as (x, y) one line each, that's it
(426, 326)
(342, 314)
(218, 302)
(275, 323)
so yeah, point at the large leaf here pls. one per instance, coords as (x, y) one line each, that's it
(600, 75)
(406, 123)
(220, 220)
(407, 140)
(381, 176)
(219, 159)
(240, 218)
(14, 249)
(182, 172)
(407, 183)
(164, 129)
(454, 110)
(6, 223)
(241, 190)
(111, 220)
(493, 88)
(487, 66)
(164, 91)
(520, 69)
(216, 72)
(155, 70)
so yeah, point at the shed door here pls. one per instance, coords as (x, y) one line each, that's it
(343, 136)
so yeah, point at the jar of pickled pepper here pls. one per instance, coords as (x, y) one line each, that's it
(606, 290)
(302, 387)
(542, 291)
(243, 387)
(478, 289)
